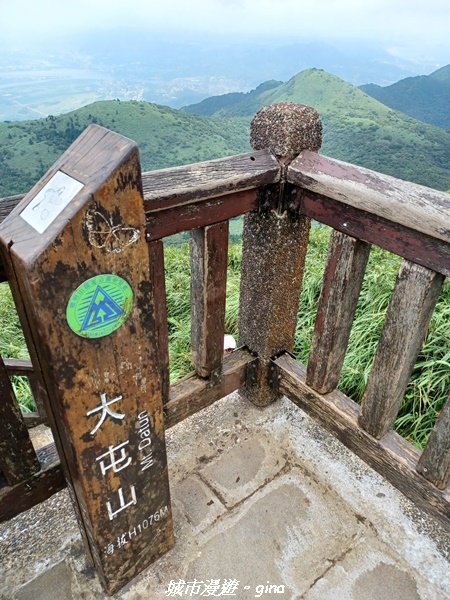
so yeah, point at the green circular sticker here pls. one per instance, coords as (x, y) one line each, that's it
(99, 306)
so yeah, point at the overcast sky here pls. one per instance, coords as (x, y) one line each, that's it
(422, 26)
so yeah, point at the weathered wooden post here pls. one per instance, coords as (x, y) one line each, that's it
(82, 275)
(274, 245)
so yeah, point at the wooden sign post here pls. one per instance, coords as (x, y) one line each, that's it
(81, 270)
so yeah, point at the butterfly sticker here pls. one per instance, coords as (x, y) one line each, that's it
(103, 234)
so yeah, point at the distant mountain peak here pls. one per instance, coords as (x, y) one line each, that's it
(442, 74)
(357, 127)
(425, 97)
(267, 85)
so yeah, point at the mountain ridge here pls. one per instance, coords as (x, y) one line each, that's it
(166, 137)
(357, 129)
(425, 97)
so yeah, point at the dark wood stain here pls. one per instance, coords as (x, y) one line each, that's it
(77, 370)
(209, 259)
(344, 273)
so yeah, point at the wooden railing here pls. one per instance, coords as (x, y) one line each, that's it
(280, 187)
(201, 198)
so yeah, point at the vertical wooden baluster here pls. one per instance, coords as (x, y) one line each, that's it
(156, 251)
(209, 259)
(407, 318)
(37, 395)
(434, 463)
(344, 273)
(18, 460)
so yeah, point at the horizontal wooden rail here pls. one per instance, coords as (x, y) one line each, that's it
(186, 397)
(168, 188)
(403, 217)
(228, 183)
(414, 206)
(32, 419)
(24, 368)
(193, 393)
(410, 244)
(35, 489)
(17, 366)
(185, 217)
(393, 457)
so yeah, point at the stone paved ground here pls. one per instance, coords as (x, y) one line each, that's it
(261, 496)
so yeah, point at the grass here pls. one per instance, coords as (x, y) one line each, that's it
(166, 138)
(12, 345)
(357, 128)
(430, 381)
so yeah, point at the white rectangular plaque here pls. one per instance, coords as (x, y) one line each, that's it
(51, 201)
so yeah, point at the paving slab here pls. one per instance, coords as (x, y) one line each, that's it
(370, 571)
(285, 535)
(55, 584)
(198, 502)
(41, 436)
(237, 473)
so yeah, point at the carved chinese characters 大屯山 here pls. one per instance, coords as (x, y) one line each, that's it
(92, 313)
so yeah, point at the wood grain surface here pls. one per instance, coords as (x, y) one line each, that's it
(115, 459)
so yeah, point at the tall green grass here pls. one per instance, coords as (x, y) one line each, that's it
(12, 345)
(430, 381)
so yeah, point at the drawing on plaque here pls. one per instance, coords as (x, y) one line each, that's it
(50, 201)
(99, 306)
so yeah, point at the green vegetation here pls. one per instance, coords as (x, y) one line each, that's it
(429, 383)
(357, 128)
(12, 344)
(166, 138)
(426, 97)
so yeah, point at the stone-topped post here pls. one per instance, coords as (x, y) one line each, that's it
(275, 240)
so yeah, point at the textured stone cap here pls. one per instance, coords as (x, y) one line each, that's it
(286, 129)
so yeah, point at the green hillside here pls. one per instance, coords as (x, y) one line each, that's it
(426, 97)
(357, 128)
(166, 138)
